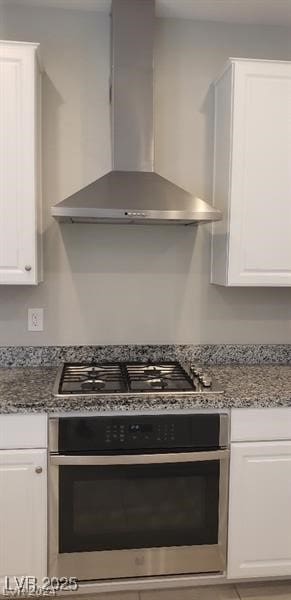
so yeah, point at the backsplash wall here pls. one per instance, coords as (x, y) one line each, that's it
(112, 284)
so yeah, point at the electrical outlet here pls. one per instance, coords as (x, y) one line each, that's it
(35, 319)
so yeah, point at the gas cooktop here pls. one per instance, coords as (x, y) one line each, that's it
(131, 378)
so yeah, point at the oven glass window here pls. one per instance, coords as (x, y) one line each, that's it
(140, 506)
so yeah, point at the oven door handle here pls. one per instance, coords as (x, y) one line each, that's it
(139, 459)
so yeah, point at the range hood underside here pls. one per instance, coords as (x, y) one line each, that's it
(145, 197)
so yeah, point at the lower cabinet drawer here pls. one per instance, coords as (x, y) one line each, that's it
(260, 424)
(23, 431)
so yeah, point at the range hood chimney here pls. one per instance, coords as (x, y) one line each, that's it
(133, 192)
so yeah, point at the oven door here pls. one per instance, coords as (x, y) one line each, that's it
(138, 515)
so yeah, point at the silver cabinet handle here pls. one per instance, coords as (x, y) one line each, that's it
(27, 267)
(139, 459)
(38, 470)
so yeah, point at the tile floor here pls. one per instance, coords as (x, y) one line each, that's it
(274, 591)
(278, 591)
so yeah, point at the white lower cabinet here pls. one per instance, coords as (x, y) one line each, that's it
(260, 510)
(23, 513)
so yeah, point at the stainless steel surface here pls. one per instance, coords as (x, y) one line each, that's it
(224, 430)
(223, 495)
(53, 521)
(191, 371)
(27, 267)
(133, 192)
(139, 459)
(38, 470)
(147, 562)
(53, 434)
(141, 562)
(159, 582)
(132, 53)
(132, 197)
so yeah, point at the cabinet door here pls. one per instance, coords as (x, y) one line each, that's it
(18, 163)
(251, 246)
(23, 513)
(259, 542)
(260, 215)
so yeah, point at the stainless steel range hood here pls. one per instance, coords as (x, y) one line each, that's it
(133, 192)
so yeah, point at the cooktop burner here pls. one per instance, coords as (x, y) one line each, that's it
(93, 384)
(130, 377)
(170, 377)
(85, 379)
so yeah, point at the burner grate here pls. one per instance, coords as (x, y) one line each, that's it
(167, 377)
(94, 378)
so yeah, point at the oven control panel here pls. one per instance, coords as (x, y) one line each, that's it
(94, 435)
(137, 431)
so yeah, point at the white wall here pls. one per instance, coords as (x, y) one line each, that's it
(113, 284)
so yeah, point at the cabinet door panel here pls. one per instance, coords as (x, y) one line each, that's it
(23, 516)
(18, 164)
(260, 241)
(259, 511)
(252, 174)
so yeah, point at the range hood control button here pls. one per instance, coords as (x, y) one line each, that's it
(135, 214)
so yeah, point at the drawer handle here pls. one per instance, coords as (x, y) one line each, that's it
(38, 470)
(27, 267)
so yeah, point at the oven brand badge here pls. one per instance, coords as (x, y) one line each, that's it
(139, 561)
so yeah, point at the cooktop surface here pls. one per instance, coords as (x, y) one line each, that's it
(131, 377)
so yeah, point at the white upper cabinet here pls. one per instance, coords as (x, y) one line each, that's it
(20, 190)
(251, 246)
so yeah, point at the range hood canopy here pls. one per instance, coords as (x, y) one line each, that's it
(133, 192)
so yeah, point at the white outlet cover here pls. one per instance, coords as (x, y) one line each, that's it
(35, 319)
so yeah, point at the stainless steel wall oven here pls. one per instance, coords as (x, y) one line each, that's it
(134, 496)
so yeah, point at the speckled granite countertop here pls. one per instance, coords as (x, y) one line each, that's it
(29, 390)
